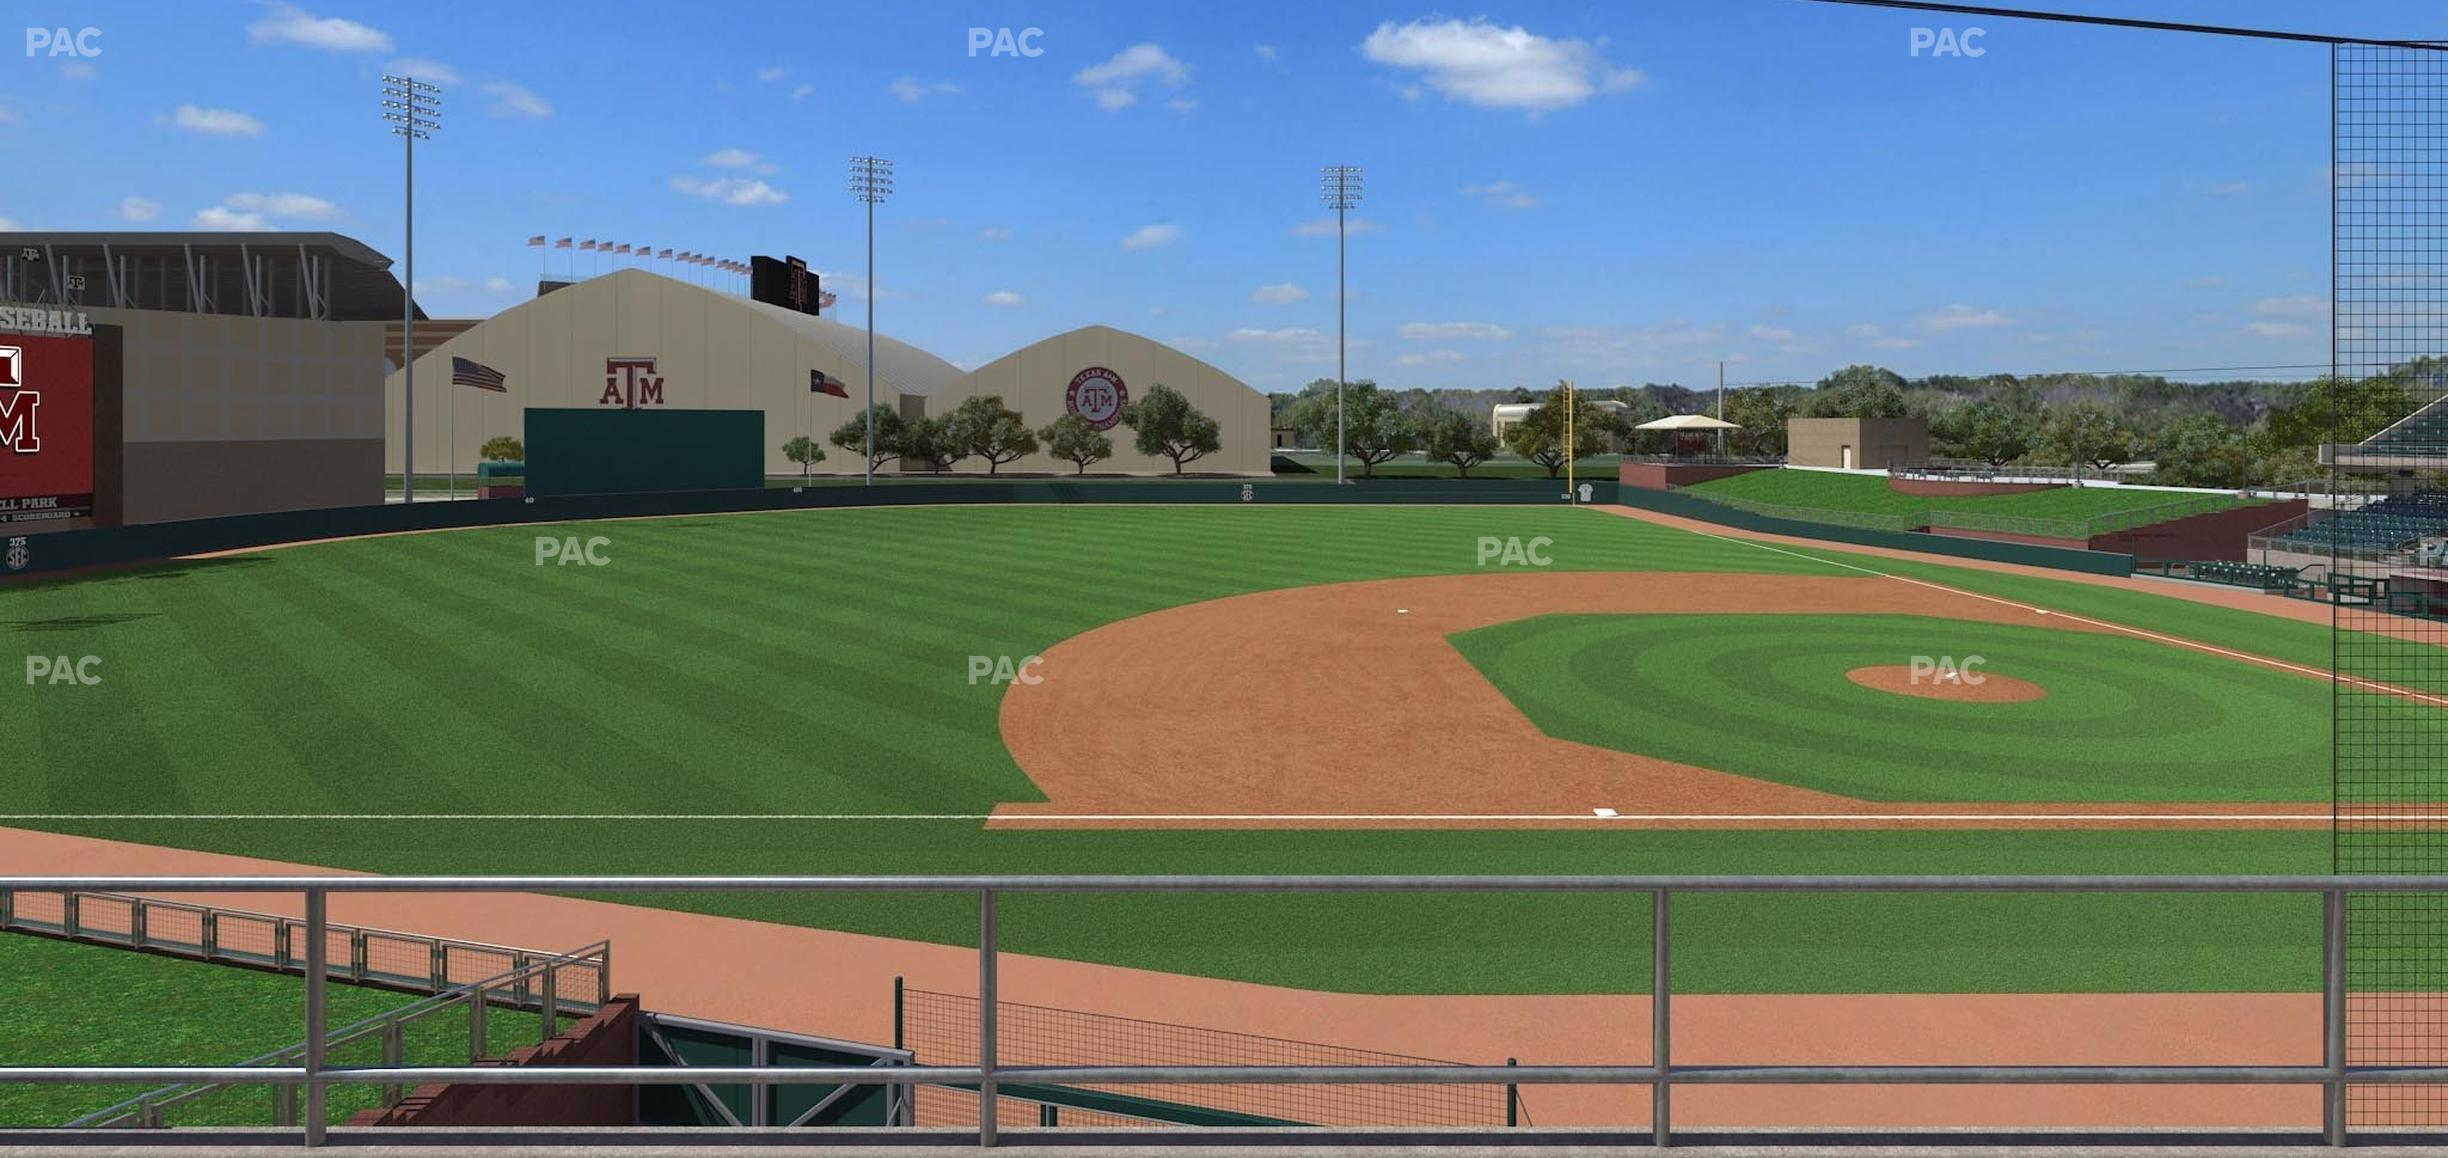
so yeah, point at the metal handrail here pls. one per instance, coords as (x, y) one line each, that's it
(2333, 1075)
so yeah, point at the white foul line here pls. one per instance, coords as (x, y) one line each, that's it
(2213, 649)
(1122, 817)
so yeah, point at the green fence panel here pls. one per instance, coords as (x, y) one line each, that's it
(2060, 558)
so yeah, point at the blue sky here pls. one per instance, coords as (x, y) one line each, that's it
(1614, 192)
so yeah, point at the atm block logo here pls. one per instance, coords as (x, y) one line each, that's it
(20, 428)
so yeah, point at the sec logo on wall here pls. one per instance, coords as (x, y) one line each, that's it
(1098, 395)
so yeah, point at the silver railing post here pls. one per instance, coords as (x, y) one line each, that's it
(550, 1005)
(2333, 1015)
(1661, 990)
(986, 1017)
(318, 950)
(476, 1023)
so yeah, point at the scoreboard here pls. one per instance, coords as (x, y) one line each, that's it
(46, 428)
(787, 282)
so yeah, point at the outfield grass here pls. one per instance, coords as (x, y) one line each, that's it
(2124, 719)
(815, 662)
(1869, 493)
(63, 1003)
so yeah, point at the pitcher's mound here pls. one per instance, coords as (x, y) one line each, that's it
(1960, 688)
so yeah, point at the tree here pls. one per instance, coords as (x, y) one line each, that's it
(1990, 432)
(1311, 414)
(1539, 436)
(2086, 434)
(2200, 450)
(852, 436)
(1165, 423)
(503, 448)
(1451, 436)
(1761, 411)
(804, 451)
(1373, 430)
(984, 427)
(1860, 391)
(1076, 440)
(932, 443)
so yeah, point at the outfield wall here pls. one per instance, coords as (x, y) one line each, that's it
(122, 546)
(2059, 558)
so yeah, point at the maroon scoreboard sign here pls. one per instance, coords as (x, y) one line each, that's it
(46, 428)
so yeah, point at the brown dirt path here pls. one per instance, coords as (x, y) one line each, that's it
(1344, 706)
(838, 984)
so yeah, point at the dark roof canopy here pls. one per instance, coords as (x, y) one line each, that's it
(277, 274)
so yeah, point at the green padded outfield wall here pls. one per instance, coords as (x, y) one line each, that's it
(586, 451)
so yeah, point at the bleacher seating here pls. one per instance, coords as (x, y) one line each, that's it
(2391, 524)
(2265, 576)
(2423, 433)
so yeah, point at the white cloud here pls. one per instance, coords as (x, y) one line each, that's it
(1878, 338)
(730, 190)
(1325, 227)
(2293, 306)
(771, 73)
(1770, 333)
(1152, 237)
(444, 284)
(216, 122)
(497, 284)
(1503, 194)
(2278, 329)
(1005, 298)
(739, 159)
(1116, 83)
(1624, 348)
(802, 92)
(293, 25)
(1481, 63)
(136, 209)
(1265, 52)
(1182, 105)
(425, 70)
(1455, 331)
(909, 90)
(1432, 357)
(77, 69)
(282, 205)
(995, 233)
(1279, 294)
(215, 217)
(510, 100)
(2207, 281)
(1297, 336)
(1959, 317)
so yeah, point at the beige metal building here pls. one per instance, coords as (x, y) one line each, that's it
(1856, 443)
(1093, 371)
(590, 344)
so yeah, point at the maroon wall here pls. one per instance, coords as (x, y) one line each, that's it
(1932, 486)
(1658, 476)
(2011, 537)
(607, 1038)
(2219, 535)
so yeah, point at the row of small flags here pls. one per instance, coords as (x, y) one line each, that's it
(470, 372)
(590, 245)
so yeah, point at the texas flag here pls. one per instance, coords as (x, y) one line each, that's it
(823, 383)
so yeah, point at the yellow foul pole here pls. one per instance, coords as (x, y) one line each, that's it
(1571, 398)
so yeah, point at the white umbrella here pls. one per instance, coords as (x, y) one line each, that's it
(1688, 422)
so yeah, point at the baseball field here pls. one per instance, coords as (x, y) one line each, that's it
(1234, 690)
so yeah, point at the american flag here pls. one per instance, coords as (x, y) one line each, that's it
(465, 372)
(564, 243)
(665, 255)
(538, 239)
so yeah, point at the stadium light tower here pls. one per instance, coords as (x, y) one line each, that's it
(1340, 185)
(413, 108)
(870, 182)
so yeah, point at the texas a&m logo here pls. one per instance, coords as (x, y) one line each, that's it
(1098, 395)
(630, 383)
(18, 431)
